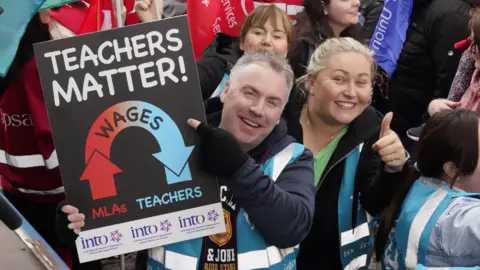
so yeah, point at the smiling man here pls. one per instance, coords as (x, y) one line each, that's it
(266, 178)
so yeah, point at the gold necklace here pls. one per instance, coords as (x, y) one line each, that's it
(311, 130)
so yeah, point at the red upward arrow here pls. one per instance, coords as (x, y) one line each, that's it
(99, 172)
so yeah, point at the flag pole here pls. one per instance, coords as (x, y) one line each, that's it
(119, 9)
(156, 6)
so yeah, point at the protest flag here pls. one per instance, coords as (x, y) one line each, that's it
(209, 17)
(13, 22)
(99, 16)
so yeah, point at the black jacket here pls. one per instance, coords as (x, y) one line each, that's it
(428, 62)
(373, 186)
(217, 60)
(370, 11)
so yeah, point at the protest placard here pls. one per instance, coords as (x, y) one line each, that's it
(118, 103)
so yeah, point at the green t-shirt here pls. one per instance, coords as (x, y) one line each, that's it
(321, 158)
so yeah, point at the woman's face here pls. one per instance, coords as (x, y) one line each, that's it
(266, 37)
(342, 90)
(343, 12)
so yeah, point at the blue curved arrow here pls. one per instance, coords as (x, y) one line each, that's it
(174, 154)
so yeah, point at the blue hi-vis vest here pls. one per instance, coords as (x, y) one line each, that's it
(221, 86)
(253, 251)
(409, 240)
(355, 243)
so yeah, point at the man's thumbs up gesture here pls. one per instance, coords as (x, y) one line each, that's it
(389, 146)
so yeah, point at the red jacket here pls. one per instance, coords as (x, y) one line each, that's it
(28, 159)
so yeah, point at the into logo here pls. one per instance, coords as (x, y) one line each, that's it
(147, 230)
(186, 222)
(95, 241)
(213, 215)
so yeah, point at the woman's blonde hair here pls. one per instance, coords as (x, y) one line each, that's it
(320, 57)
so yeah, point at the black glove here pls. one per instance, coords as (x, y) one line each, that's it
(66, 235)
(220, 153)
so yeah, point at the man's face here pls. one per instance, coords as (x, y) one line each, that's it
(253, 100)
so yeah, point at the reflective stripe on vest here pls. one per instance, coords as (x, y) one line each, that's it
(252, 250)
(355, 242)
(418, 226)
(421, 210)
(221, 86)
(58, 190)
(29, 161)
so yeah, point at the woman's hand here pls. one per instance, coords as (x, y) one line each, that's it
(77, 220)
(146, 10)
(441, 104)
(389, 146)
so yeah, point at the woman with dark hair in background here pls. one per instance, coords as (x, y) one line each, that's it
(318, 21)
(438, 218)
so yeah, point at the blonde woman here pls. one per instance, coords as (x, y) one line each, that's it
(357, 156)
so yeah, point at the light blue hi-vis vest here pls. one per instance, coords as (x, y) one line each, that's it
(355, 243)
(253, 252)
(408, 242)
(221, 86)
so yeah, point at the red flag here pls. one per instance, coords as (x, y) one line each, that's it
(131, 17)
(70, 15)
(209, 17)
(100, 16)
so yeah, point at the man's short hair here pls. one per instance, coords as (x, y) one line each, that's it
(276, 62)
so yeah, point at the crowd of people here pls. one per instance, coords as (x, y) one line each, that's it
(381, 168)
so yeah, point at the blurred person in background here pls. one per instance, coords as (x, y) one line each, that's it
(428, 62)
(30, 177)
(319, 21)
(432, 220)
(465, 86)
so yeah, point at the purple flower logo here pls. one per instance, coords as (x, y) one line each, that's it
(165, 225)
(213, 215)
(116, 236)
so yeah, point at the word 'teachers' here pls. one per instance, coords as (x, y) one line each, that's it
(157, 69)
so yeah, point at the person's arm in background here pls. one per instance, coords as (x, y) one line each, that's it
(446, 31)
(371, 11)
(464, 74)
